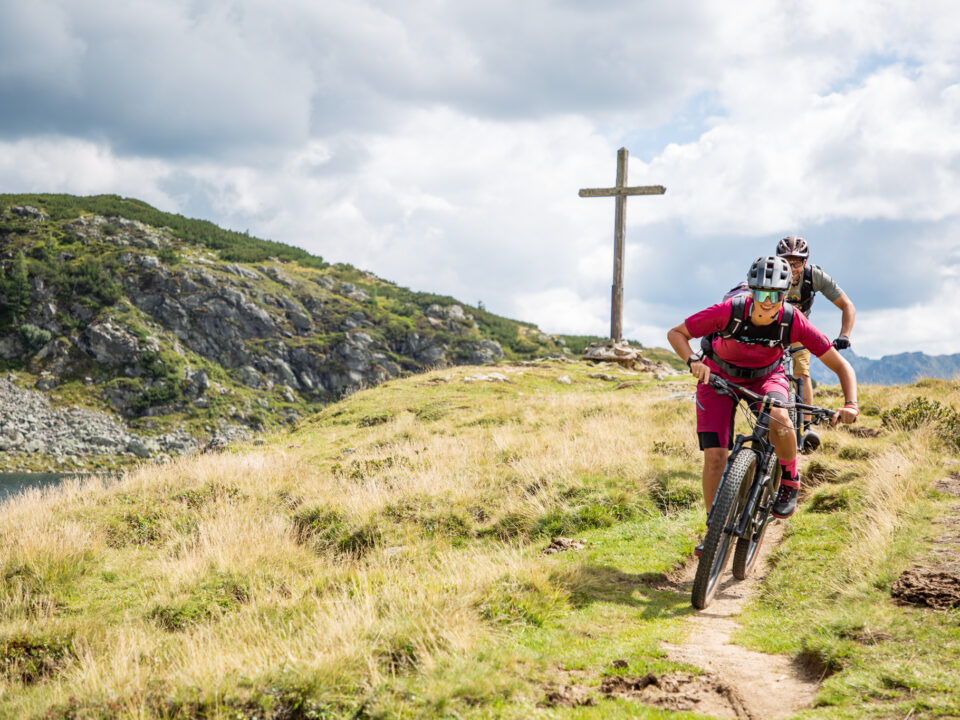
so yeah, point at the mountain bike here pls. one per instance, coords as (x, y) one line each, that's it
(744, 500)
(807, 439)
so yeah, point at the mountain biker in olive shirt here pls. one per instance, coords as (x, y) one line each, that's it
(751, 354)
(809, 279)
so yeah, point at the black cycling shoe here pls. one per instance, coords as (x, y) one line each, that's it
(786, 502)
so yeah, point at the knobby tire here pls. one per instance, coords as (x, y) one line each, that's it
(748, 548)
(716, 544)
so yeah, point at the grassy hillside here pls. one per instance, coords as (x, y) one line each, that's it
(386, 560)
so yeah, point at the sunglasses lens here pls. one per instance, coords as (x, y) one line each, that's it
(765, 296)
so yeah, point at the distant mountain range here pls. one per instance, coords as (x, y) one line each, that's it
(899, 369)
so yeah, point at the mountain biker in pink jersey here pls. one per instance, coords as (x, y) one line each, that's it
(744, 340)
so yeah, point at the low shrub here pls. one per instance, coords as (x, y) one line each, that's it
(922, 411)
(31, 658)
(515, 601)
(218, 594)
(324, 529)
(33, 337)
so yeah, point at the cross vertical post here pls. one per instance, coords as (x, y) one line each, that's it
(620, 193)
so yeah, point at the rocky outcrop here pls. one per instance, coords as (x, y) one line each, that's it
(29, 425)
(145, 319)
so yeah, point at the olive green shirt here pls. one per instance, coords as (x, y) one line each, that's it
(822, 283)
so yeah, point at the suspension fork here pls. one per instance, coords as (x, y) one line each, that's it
(762, 449)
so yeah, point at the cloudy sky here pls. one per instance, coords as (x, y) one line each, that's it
(441, 143)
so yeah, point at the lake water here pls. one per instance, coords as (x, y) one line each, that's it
(13, 483)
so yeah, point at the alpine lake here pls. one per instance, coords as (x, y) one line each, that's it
(14, 483)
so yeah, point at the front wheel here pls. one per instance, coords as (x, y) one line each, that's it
(748, 546)
(726, 508)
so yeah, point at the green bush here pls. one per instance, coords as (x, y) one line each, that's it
(216, 595)
(921, 411)
(515, 601)
(325, 529)
(33, 337)
(29, 659)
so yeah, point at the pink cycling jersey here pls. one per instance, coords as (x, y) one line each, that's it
(716, 317)
(715, 411)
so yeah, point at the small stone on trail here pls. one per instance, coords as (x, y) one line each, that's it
(565, 379)
(619, 664)
(492, 377)
(562, 544)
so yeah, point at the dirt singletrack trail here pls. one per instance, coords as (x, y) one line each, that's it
(767, 686)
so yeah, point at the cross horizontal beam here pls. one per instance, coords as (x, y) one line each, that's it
(614, 191)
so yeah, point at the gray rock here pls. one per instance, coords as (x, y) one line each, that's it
(110, 344)
(138, 448)
(301, 323)
(353, 292)
(277, 275)
(250, 377)
(241, 271)
(486, 351)
(11, 347)
(29, 211)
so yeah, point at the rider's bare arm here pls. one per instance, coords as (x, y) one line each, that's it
(848, 382)
(849, 314)
(679, 338)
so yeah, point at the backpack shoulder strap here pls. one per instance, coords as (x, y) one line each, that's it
(738, 314)
(786, 324)
(806, 289)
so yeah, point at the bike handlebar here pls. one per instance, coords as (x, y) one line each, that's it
(731, 388)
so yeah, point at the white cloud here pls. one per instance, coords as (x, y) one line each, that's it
(442, 145)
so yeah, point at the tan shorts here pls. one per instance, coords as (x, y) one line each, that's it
(801, 362)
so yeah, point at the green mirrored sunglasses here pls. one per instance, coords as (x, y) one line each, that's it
(768, 296)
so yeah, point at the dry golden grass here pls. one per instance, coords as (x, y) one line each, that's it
(400, 528)
(107, 564)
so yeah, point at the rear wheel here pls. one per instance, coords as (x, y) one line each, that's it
(747, 550)
(716, 544)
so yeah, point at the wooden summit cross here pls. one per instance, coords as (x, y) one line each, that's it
(620, 192)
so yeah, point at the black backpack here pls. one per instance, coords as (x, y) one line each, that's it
(740, 328)
(806, 290)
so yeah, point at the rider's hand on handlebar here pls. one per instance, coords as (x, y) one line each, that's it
(846, 415)
(842, 342)
(700, 371)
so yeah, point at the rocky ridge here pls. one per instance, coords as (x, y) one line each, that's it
(163, 333)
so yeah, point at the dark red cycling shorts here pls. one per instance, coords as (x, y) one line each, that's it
(715, 412)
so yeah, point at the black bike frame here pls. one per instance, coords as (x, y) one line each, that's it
(760, 445)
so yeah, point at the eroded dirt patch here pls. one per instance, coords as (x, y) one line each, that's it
(568, 696)
(949, 485)
(860, 431)
(928, 586)
(935, 581)
(679, 692)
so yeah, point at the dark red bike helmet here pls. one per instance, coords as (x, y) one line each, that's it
(794, 247)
